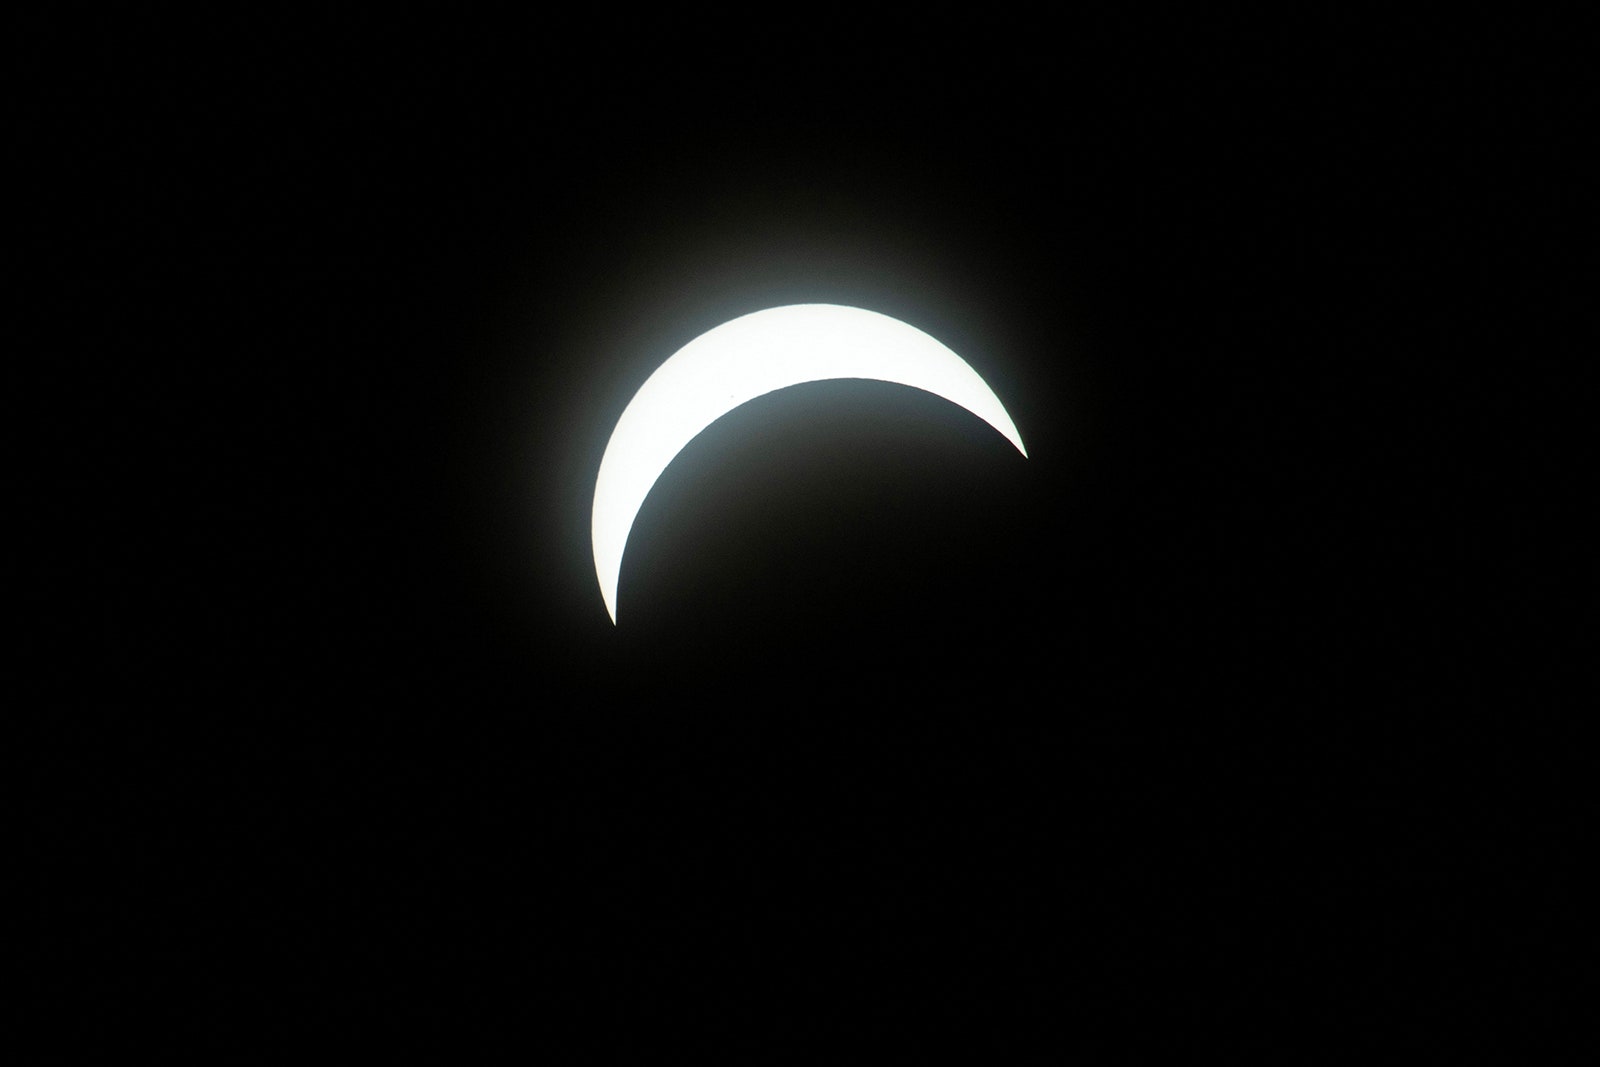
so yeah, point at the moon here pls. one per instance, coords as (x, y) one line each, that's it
(748, 357)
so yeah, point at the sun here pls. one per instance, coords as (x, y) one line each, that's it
(748, 357)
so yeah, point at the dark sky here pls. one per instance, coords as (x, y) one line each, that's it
(1153, 737)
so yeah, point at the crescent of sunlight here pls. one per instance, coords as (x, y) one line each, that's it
(749, 357)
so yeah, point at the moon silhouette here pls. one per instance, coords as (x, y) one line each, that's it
(748, 357)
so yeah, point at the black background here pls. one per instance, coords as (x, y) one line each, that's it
(1190, 730)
